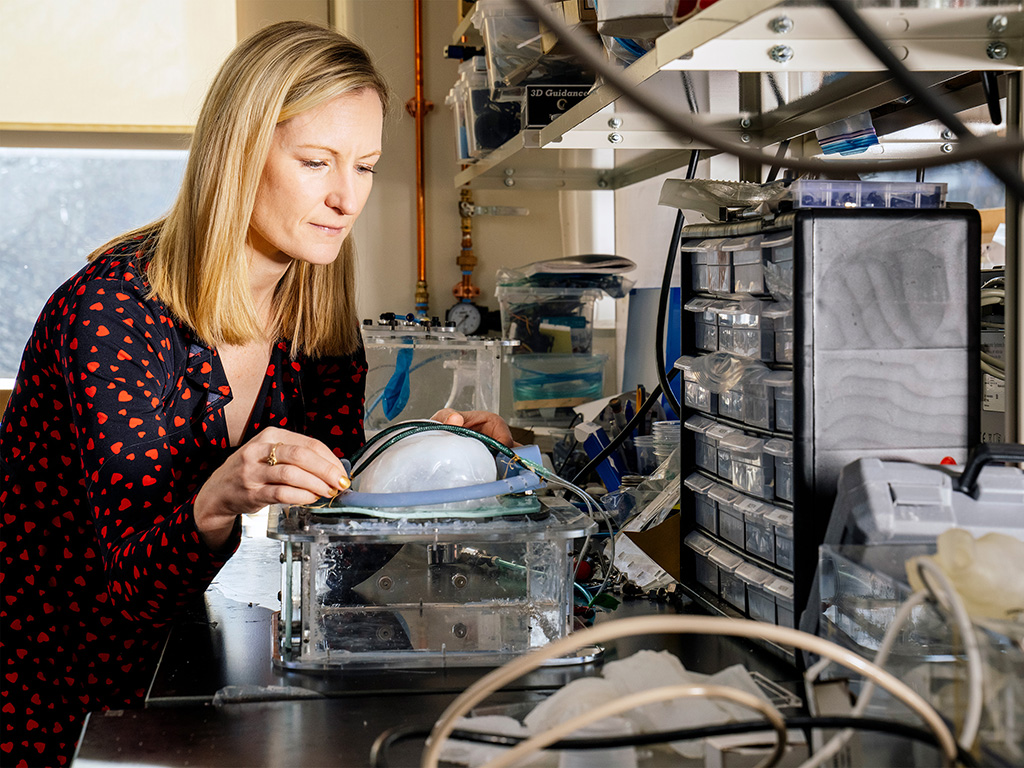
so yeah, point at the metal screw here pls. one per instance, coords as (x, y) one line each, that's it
(602, 183)
(615, 138)
(998, 24)
(947, 135)
(460, 631)
(385, 582)
(510, 171)
(997, 50)
(510, 182)
(947, 148)
(385, 633)
(744, 122)
(615, 122)
(745, 138)
(781, 25)
(459, 581)
(780, 53)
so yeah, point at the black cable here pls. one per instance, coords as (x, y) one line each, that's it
(594, 59)
(666, 291)
(626, 431)
(921, 93)
(378, 754)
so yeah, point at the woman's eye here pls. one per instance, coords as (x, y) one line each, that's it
(367, 169)
(314, 163)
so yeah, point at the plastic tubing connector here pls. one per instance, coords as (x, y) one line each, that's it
(524, 481)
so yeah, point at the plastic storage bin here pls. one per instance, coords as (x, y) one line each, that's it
(711, 267)
(760, 601)
(758, 532)
(546, 387)
(781, 384)
(781, 316)
(730, 516)
(695, 395)
(754, 579)
(705, 509)
(730, 586)
(706, 572)
(705, 322)
(750, 469)
(782, 522)
(782, 452)
(482, 124)
(782, 591)
(758, 399)
(705, 447)
(823, 193)
(778, 265)
(544, 319)
(718, 434)
(642, 19)
(747, 267)
(744, 330)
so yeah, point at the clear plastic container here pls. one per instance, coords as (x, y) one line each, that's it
(781, 316)
(781, 382)
(730, 586)
(544, 319)
(718, 434)
(705, 323)
(488, 123)
(731, 403)
(711, 268)
(646, 460)
(705, 510)
(706, 572)
(750, 470)
(695, 395)
(782, 452)
(512, 42)
(730, 516)
(641, 19)
(758, 399)
(778, 266)
(743, 330)
(782, 591)
(546, 387)
(782, 522)
(705, 448)
(761, 602)
(758, 532)
(747, 268)
(824, 193)
(754, 579)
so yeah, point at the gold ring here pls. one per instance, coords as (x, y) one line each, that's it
(272, 456)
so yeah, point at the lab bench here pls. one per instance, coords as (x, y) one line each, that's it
(259, 719)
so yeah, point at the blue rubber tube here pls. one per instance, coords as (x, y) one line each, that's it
(524, 481)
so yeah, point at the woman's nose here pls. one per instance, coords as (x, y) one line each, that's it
(342, 195)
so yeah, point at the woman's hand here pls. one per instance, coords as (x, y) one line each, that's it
(275, 467)
(484, 422)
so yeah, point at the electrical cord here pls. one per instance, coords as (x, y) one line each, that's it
(652, 695)
(977, 149)
(666, 292)
(626, 431)
(393, 736)
(710, 625)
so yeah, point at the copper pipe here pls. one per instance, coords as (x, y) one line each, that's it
(418, 108)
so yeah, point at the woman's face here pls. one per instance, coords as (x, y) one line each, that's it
(318, 175)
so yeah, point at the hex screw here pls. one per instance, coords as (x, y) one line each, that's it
(615, 138)
(385, 583)
(781, 25)
(744, 122)
(745, 138)
(947, 135)
(780, 53)
(510, 182)
(460, 631)
(615, 122)
(459, 581)
(947, 148)
(998, 24)
(997, 50)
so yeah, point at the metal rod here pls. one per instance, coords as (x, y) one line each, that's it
(1014, 351)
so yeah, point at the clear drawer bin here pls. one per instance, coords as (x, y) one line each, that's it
(758, 399)
(744, 330)
(747, 269)
(781, 383)
(781, 316)
(706, 572)
(720, 433)
(758, 532)
(705, 447)
(778, 265)
(711, 268)
(782, 453)
(704, 507)
(782, 591)
(750, 469)
(705, 323)
(695, 395)
(730, 586)
(730, 516)
(782, 522)
(754, 579)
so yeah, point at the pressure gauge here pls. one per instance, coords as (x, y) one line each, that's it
(466, 316)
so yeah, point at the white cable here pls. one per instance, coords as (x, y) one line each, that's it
(992, 360)
(705, 625)
(541, 740)
(832, 747)
(994, 372)
(975, 668)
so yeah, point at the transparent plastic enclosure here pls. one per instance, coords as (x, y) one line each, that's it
(415, 370)
(359, 591)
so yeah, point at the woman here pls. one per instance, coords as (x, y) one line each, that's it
(198, 368)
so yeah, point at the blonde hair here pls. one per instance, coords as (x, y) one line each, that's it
(199, 265)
